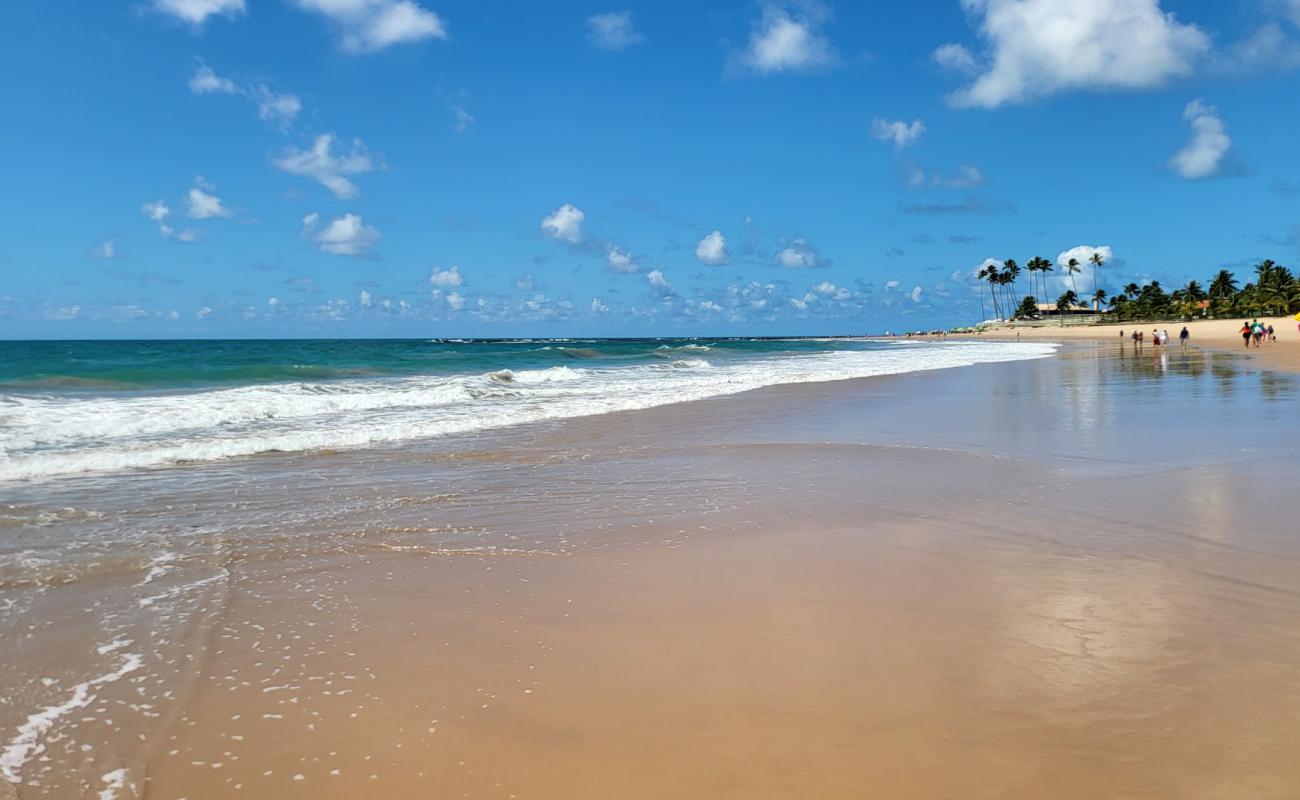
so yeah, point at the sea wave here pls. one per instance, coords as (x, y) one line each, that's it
(55, 435)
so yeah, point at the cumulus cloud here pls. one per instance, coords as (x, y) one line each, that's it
(799, 253)
(321, 165)
(656, 279)
(785, 40)
(712, 249)
(900, 133)
(364, 300)
(598, 306)
(1083, 254)
(1036, 48)
(204, 312)
(343, 236)
(367, 26)
(613, 30)
(620, 260)
(525, 283)
(916, 294)
(203, 203)
(446, 277)
(455, 301)
(196, 12)
(564, 224)
(1203, 154)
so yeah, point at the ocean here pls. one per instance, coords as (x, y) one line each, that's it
(73, 407)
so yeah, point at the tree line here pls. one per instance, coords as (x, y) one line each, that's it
(1275, 290)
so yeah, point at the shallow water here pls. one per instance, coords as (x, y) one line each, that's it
(1085, 531)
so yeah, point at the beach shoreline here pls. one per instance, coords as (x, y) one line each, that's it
(1005, 580)
(1218, 334)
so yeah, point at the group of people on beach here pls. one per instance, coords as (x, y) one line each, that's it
(1256, 331)
(1159, 337)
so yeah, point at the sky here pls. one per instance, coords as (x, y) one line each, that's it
(393, 168)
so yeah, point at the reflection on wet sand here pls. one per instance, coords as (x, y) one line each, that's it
(1069, 578)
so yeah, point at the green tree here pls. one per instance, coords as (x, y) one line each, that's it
(1065, 302)
(1096, 262)
(1072, 267)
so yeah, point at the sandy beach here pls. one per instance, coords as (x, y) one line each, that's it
(1072, 577)
(1218, 334)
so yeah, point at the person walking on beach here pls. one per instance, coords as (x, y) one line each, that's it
(1272, 335)
(1164, 338)
(1183, 336)
(1245, 333)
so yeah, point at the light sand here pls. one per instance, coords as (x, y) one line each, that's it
(1217, 334)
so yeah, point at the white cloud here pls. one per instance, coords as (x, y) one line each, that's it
(525, 283)
(276, 109)
(203, 313)
(343, 236)
(656, 279)
(597, 306)
(783, 41)
(955, 57)
(196, 12)
(564, 223)
(613, 31)
(799, 253)
(900, 133)
(106, 249)
(712, 249)
(916, 294)
(455, 301)
(273, 302)
(446, 277)
(366, 26)
(620, 260)
(1203, 154)
(463, 119)
(321, 165)
(1083, 254)
(205, 81)
(203, 204)
(156, 211)
(1037, 48)
(364, 300)
(1268, 49)
(966, 176)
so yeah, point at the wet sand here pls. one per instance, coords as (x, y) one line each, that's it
(1071, 578)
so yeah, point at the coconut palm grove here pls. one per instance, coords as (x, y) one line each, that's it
(1272, 289)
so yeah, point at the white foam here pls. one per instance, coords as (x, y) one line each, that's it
(59, 435)
(26, 743)
(114, 782)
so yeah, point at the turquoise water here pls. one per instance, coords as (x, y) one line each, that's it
(110, 406)
(135, 365)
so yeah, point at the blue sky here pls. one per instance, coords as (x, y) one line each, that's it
(244, 168)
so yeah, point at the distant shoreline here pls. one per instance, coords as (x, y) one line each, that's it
(1214, 334)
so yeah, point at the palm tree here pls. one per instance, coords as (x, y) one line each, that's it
(1223, 288)
(1065, 302)
(990, 274)
(1132, 291)
(1011, 271)
(1098, 297)
(1096, 262)
(1039, 264)
(1072, 266)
